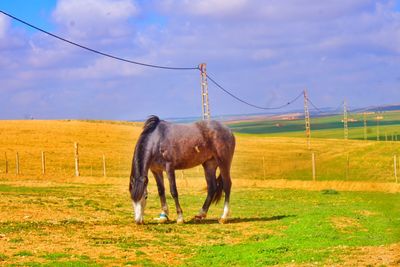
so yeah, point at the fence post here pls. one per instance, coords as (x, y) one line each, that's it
(263, 163)
(104, 166)
(17, 163)
(76, 159)
(5, 156)
(347, 165)
(395, 167)
(91, 168)
(43, 163)
(184, 177)
(313, 165)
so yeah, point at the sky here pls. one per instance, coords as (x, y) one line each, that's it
(265, 52)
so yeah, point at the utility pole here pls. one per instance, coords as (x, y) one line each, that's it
(365, 126)
(204, 92)
(76, 146)
(307, 119)
(377, 126)
(345, 120)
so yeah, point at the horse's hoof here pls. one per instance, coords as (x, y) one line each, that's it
(162, 219)
(223, 220)
(180, 221)
(200, 217)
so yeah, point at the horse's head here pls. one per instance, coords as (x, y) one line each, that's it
(139, 197)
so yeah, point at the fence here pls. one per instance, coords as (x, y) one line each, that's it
(370, 165)
(59, 162)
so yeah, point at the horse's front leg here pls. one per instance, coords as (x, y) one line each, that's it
(158, 175)
(174, 192)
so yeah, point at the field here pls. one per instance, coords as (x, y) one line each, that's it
(348, 216)
(387, 127)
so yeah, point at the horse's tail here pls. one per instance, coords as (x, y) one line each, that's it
(150, 124)
(218, 193)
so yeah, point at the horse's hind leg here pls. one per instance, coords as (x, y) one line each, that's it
(210, 167)
(227, 184)
(174, 193)
(161, 193)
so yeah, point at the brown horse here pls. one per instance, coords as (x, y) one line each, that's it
(164, 146)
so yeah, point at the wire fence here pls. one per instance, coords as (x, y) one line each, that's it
(375, 165)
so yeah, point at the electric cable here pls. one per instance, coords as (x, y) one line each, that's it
(96, 51)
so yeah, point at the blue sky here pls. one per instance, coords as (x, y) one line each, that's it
(265, 52)
(36, 11)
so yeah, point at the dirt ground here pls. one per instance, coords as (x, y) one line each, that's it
(374, 256)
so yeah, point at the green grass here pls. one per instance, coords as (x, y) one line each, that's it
(268, 227)
(23, 253)
(3, 257)
(55, 256)
(310, 235)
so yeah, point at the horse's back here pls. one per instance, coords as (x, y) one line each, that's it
(188, 145)
(220, 137)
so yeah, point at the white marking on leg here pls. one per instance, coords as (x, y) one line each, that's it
(226, 211)
(138, 212)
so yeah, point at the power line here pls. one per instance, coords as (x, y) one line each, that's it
(307, 119)
(370, 108)
(319, 109)
(96, 51)
(314, 106)
(249, 104)
(148, 65)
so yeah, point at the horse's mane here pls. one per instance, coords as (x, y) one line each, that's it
(137, 181)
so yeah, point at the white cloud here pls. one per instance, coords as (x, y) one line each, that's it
(272, 10)
(85, 19)
(213, 7)
(100, 68)
(4, 24)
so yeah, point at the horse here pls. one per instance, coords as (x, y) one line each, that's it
(165, 146)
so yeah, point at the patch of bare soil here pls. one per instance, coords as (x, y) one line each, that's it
(346, 224)
(388, 255)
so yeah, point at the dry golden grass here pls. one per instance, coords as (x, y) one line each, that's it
(257, 160)
(115, 140)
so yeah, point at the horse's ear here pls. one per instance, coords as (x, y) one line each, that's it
(138, 188)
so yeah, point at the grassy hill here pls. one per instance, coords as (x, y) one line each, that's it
(57, 219)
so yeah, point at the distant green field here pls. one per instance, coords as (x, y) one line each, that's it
(387, 128)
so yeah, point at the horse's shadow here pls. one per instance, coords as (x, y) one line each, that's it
(240, 220)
